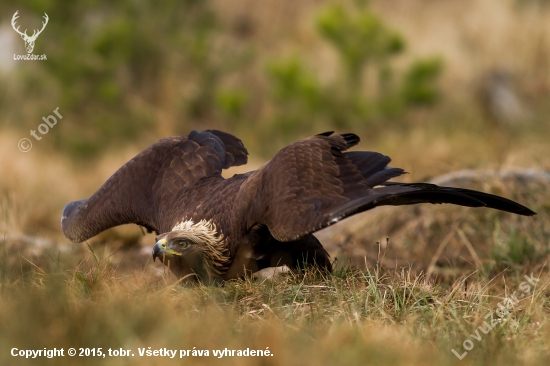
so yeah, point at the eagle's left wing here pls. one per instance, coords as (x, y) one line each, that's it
(315, 183)
(146, 190)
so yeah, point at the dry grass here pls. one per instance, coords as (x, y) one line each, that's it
(354, 317)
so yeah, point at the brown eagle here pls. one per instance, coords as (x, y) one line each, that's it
(218, 229)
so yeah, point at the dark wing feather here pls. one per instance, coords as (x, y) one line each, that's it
(236, 153)
(313, 183)
(373, 167)
(398, 194)
(302, 183)
(145, 190)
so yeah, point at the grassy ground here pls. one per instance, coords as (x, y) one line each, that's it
(353, 317)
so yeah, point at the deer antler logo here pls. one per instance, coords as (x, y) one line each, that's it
(29, 40)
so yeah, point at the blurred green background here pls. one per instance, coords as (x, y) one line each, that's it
(128, 70)
(125, 71)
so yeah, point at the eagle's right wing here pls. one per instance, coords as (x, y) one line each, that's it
(314, 183)
(145, 190)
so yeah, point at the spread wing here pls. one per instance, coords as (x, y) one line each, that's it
(144, 190)
(314, 183)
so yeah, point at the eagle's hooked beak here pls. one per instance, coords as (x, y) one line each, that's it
(159, 250)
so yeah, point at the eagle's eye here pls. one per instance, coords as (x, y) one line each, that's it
(182, 243)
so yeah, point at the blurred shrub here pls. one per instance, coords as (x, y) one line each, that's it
(112, 66)
(418, 85)
(120, 70)
(298, 96)
(232, 103)
(360, 38)
(363, 43)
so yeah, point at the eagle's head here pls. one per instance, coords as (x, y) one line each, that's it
(194, 249)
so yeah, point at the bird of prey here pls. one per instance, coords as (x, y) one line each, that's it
(215, 229)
